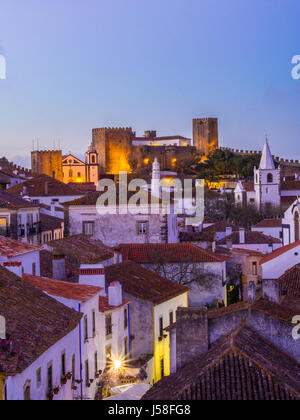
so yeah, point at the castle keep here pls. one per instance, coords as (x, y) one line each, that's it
(119, 149)
(47, 162)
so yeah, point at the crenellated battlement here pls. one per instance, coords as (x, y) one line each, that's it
(255, 153)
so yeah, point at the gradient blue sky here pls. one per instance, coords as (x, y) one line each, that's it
(77, 64)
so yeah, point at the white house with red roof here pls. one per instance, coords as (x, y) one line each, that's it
(203, 271)
(269, 227)
(21, 255)
(291, 223)
(104, 326)
(278, 262)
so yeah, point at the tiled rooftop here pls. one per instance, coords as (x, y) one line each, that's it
(11, 248)
(251, 238)
(269, 223)
(207, 236)
(49, 222)
(14, 202)
(104, 306)
(289, 282)
(143, 284)
(35, 321)
(37, 188)
(278, 252)
(221, 227)
(240, 366)
(64, 289)
(171, 253)
(82, 249)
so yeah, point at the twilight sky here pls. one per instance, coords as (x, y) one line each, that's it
(77, 64)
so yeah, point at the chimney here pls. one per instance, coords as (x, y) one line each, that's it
(14, 266)
(92, 274)
(115, 294)
(228, 230)
(242, 236)
(59, 265)
(52, 206)
(270, 290)
(251, 292)
(229, 243)
(117, 255)
(213, 246)
(46, 188)
(191, 334)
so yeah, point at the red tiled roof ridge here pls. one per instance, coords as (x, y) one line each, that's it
(64, 289)
(278, 252)
(104, 305)
(194, 253)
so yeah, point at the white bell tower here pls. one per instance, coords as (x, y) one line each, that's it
(267, 181)
(155, 182)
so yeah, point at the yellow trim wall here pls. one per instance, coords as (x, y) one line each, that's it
(2, 378)
(161, 348)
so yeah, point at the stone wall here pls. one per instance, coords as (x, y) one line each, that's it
(47, 162)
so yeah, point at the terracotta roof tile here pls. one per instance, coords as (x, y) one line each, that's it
(290, 185)
(14, 202)
(34, 320)
(207, 236)
(64, 289)
(221, 227)
(269, 223)
(36, 188)
(240, 366)
(289, 282)
(278, 252)
(143, 284)
(10, 248)
(251, 238)
(104, 306)
(82, 249)
(172, 253)
(50, 223)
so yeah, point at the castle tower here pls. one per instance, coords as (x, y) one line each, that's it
(205, 135)
(47, 162)
(155, 181)
(92, 165)
(113, 146)
(267, 180)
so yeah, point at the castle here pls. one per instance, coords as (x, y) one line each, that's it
(119, 149)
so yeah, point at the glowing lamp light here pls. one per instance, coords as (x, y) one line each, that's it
(117, 364)
(146, 161)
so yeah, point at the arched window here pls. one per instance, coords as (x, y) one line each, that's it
(27, 396)
(256, 178)
(93, 159)
(270, 178)
(296, 223)
(70, 173)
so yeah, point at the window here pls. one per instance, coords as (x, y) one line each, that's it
(96, 362)
(108, 325)
(93, 159)
(87, 373)
(38, 377)
(49, 378)
(270, 178)
(88, 228)
(125, 318)
(297, 226)
(70, 173)
(254, 268)
(161, 326)
(126, 350)
(94, 323)
(86, 334)
(63, 364)
(142, 228)
(78, 174)
(33, 269)
(3, 225)
(73, 368)
(27, 393)
(171, 316)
